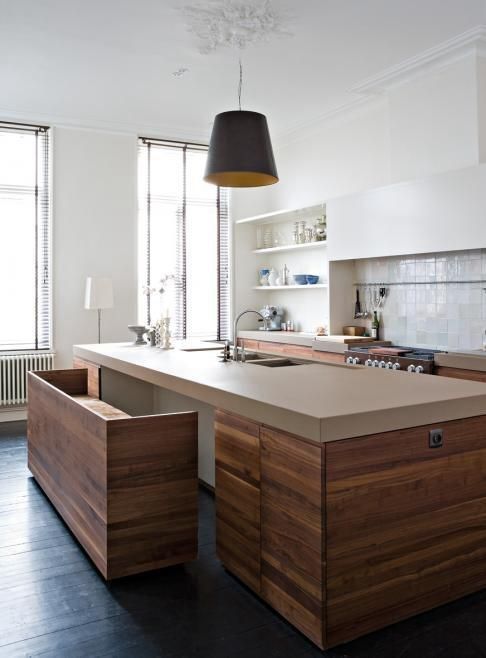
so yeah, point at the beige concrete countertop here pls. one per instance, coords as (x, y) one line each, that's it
(338, 344)
(322, 402)
(468, 360)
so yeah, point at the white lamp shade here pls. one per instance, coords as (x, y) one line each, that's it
(99, 293)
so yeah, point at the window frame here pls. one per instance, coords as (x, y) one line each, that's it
(43, 236)
(224, 244)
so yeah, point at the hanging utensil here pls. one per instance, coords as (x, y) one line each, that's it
(357, 306)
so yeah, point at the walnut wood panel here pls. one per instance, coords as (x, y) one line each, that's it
(238, 446)
(238, 496)
(152, 492)
(238, 527)
(460, 373)
(406, 525)
(71, 382)
(292, 530)
(330, 357)
(248, 343)
(94, 378)
(126, 487)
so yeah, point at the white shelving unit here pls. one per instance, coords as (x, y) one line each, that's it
(308, 286)
(291, 247)
(275, 231)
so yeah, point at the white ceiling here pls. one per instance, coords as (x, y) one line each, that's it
(110, 62)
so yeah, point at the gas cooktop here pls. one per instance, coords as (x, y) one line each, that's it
(394, 357)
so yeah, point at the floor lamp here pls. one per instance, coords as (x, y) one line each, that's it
(99, 295)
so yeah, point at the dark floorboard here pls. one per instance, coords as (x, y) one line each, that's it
(53, 603)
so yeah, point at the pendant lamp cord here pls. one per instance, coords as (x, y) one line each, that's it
(240, 85)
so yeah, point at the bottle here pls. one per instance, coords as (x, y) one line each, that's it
(375, 327)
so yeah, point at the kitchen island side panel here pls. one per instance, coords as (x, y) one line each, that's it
(406, 524)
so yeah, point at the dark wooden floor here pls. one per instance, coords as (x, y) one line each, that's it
(54, 604)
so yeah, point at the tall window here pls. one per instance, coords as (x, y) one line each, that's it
(183, 241)
(25, 291)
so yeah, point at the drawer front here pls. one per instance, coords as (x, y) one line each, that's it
(238, 446)
(460, 373)
(291, 530)
(238, 527)
(330, 357)
(406, 524)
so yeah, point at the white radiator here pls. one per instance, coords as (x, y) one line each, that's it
(13, 375)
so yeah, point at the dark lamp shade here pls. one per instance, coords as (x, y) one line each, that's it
(240, 151)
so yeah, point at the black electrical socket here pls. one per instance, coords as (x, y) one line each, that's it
(435, 439)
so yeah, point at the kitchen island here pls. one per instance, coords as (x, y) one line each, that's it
(348, 498)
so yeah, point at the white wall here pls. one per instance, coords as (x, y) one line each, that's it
(94, 233)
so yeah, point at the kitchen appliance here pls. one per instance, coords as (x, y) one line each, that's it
(411, 359)
(273, 315)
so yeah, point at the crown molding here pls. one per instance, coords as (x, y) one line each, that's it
(470, 42)
(161, 131)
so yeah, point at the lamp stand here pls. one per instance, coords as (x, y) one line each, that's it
(99, 325)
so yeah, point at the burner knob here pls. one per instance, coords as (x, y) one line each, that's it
(356, 361)
(411, 368)
(368, 363)
(396, 366)
(419, 370)
(350, 359)
(376, 363)
(382, 364)
(389, 365)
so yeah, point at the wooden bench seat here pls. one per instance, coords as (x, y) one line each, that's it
(107, 411)
(126, 486)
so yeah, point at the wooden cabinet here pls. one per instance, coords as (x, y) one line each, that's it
(350, 536)
(461, 373)
(238, 496)
(406, 524)
(291, 529)
(290, 350)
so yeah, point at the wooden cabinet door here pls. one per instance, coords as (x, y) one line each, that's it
(291, 530)
(406, 524)
(329, 357)
(238, 496)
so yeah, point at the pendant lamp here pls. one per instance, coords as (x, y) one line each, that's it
(240, 150)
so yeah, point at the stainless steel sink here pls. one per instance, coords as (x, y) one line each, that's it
(276, 363)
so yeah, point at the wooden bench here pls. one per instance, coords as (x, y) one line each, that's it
(126, 486)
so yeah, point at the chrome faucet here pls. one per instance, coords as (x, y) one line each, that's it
(235, 329)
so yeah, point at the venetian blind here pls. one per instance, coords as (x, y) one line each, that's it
(184, 238)
(25, 287)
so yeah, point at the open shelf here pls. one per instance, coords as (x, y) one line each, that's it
(291, 214)
(307, 286)
(290, 247)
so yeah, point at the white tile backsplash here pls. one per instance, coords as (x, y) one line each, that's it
(428, 309)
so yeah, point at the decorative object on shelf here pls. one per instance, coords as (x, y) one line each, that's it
(272, 277)
(267, 237)
(263, 274)
(98, 296)
(321, 331)
(353, 330)
(139, 330)
(285, 275)
(296, 233)
(320, 227)
(312, 279)
(306, 279)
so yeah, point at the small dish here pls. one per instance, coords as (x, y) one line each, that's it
(312, 279)
(300, 279)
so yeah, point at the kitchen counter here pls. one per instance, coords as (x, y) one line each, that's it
(335, 343)
(320, 402)
(469, 360)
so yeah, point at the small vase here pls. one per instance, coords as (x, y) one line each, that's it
(272, 277)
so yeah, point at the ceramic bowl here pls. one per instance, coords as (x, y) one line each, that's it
(312, 279)
(300, 279)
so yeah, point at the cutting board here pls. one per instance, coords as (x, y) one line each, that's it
(392, 351)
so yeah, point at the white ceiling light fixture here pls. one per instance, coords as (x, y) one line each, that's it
(240, 149)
